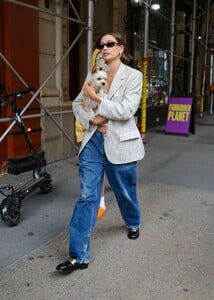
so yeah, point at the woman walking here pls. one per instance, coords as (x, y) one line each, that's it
(112, 145)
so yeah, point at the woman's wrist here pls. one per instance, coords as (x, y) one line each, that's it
(98, 99)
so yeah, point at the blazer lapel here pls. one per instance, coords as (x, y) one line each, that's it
(118, 80)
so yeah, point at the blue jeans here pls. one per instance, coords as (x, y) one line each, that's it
(122, 178)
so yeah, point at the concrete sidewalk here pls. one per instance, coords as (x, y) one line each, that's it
(172, 259)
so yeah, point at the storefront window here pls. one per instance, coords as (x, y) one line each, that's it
(158, 52)
(157, 78)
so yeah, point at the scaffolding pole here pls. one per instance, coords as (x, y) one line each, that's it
(90, 32)
(205, 63)
(211, 82)
(192, 48)
(48, 12)
(145, 66)
(34, 116)
(172, 41)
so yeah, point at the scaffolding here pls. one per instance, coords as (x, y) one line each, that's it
(86, 26)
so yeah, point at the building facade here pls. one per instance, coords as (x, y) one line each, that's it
(45, 44)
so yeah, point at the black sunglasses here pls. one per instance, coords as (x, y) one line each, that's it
(108, 45)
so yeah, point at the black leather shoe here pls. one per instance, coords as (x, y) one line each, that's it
(133, 234)
(70, 265)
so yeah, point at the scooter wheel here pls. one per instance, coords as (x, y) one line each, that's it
(10, 212)
(46, 187)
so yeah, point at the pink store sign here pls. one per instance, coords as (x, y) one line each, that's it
(179, 115)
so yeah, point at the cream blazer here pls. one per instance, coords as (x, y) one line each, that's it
(123, 142)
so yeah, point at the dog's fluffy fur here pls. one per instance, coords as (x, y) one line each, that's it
(98, 81)
(100, 64)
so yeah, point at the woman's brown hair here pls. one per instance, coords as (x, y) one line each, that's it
(126, 56)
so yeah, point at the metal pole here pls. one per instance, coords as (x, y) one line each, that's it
(145, 66)
(192, 48)
(74, 10)
(211, 81)
(172, 39)
(59, 50)
(205, 63)
(34, 116)
(90, 32)
(46, 11)
(146, 30)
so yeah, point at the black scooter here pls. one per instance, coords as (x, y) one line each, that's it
(35, 161)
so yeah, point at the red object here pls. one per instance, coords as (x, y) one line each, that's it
(19, 43)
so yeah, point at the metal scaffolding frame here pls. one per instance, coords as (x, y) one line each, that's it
(197, 14)
(87, 26)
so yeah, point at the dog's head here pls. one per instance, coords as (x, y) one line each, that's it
(100, 64)
(99, 80)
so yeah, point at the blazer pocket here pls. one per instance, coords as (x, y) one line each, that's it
(129, 135)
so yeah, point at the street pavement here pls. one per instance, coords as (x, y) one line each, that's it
(173, 257)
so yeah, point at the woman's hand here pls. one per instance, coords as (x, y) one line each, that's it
(98, 120)
(89, 92)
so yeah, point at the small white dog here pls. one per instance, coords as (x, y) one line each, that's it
(98, 81)
(100, 63)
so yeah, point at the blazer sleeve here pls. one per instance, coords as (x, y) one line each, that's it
(126, 99)
(79, 113)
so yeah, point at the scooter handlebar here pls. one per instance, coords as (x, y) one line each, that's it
(17, 94)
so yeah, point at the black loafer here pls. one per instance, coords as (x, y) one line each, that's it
(70, 265)
(133, 234)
